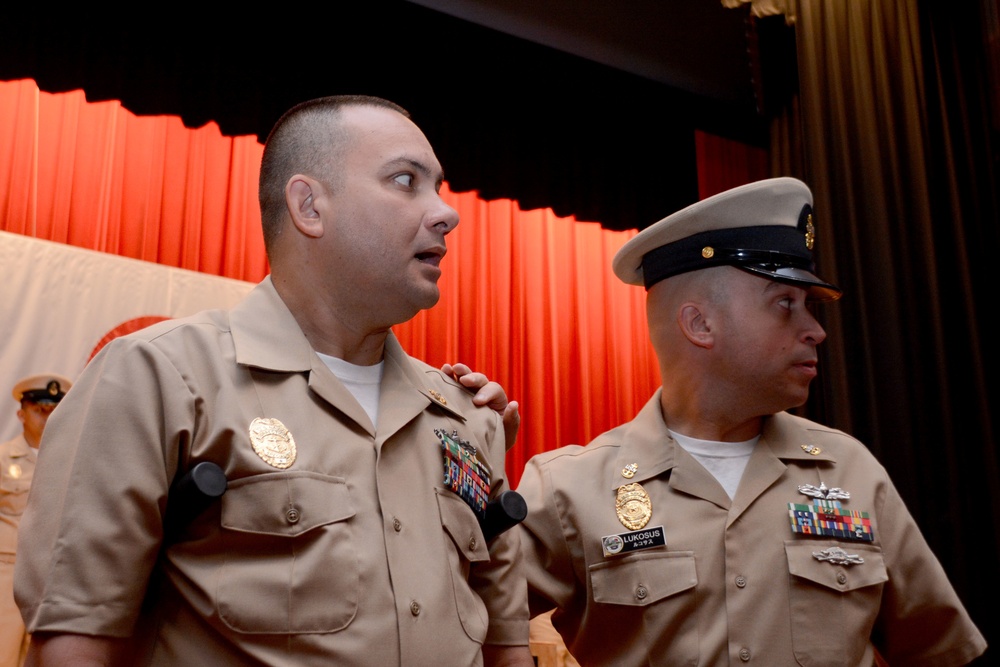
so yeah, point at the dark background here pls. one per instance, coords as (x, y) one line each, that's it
(592, 111)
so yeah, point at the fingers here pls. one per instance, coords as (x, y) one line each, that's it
(511, 424)
(491, 395)
(465, 376)
(471, 380)
(452, 371)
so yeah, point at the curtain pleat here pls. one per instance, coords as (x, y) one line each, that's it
(891, 131)
(527, 297)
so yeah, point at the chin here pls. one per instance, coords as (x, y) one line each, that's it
(424, 300)
(431, 298)
(798, 400)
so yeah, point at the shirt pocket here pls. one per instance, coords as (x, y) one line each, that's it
(829, 602)
(467, 546)
(291, 565)
(654, 591)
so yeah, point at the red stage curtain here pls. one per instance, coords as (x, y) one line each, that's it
(97, 176)
(528, 298)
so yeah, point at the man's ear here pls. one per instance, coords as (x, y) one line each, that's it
(301, 193)
(20, 415)
(695, 325)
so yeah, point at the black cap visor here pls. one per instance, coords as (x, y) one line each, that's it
(816, 289)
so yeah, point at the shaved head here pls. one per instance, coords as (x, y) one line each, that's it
(308, 139)
(663, 300)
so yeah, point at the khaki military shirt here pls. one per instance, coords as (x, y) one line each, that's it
(17, 467)
(733, 584)
(355, 553)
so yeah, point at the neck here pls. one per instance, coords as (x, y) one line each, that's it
(332, 329)
(689, 411)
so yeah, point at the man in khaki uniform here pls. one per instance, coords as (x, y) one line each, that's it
(715, 528)
(37, 395)
(349, 533)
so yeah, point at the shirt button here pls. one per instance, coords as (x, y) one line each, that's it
(292, 515)
(415, 608)
(397, 525)
(472, 544)
(641, 592)
(745, 654)
(841, 578)
(741, 581)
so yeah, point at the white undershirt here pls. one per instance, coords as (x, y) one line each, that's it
(364, 382)
(725, 460)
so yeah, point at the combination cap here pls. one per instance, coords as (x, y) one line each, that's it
(42, 389)
(766, 228)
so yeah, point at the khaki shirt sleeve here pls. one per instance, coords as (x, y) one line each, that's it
(500, 581)
(93, 525)
(548, 557)
(921, 621)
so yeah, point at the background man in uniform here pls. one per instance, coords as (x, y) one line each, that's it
(715, 528)
(338, 540)
(37, 395)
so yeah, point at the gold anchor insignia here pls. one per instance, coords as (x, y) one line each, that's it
(633, 507)
(810, 232)
(628, 472)
(272, 442)
(436, 395)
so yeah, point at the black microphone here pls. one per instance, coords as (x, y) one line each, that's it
(503, 513)
(192, 494)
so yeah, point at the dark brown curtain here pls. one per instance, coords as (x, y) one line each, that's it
(891, 129)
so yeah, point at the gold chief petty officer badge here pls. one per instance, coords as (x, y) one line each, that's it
(632, 504)
(272, 442)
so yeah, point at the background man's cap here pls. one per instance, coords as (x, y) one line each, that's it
(48, 388)
(765, 228)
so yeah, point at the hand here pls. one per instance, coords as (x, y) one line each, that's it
(491, 395)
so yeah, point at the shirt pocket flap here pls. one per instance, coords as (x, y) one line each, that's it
(839, 577)
(644, 578)
(460, 523)
(285, 504)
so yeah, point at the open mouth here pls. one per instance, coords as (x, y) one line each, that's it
(432, 257)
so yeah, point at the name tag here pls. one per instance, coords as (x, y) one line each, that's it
(636, 540)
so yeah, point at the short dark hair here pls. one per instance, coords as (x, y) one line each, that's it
(306, 140)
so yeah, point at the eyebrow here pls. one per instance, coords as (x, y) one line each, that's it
(777, 284)
(417, 165)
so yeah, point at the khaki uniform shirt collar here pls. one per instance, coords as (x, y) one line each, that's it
(645, 443)
(648, 444)
(404, 392)
(267, 336)
(787, 439)
(19, 447)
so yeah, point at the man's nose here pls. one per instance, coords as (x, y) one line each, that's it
(444, 217)
(814, 332)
